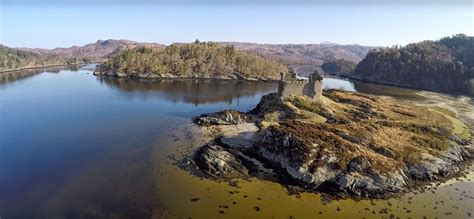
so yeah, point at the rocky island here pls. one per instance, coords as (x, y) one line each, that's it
(203, 60)
(345, 144)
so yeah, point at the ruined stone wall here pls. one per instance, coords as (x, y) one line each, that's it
(287, 88)
(307, 88)
(318, 88)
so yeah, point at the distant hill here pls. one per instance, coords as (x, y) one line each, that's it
(17, 58)
(193, 60)
(445, 65)
(14, 59)
(97, 50)
(305, 58)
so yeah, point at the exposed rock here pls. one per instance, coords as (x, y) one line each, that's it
(217, 162)
(371, 147)
(242, 141)
(359, 185)
(225, 117)
(385, 152)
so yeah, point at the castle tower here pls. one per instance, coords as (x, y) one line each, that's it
(317, 80)
(290, 85)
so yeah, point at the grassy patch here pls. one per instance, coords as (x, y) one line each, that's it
(459, 128)
(362, 124)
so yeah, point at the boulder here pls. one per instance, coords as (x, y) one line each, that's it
(215, 161)
(225, 117)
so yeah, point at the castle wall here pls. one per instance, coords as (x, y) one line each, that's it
(307, 88)
(287, 88)
(318, 90)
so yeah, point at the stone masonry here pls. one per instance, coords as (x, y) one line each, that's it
(290, 85)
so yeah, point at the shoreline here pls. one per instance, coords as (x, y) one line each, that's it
(158, 78)
(241, 155)
(43, 66)
(403, 86)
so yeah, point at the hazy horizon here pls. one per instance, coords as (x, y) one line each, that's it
(51, 24)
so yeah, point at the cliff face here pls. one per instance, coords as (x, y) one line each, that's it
(446, 65)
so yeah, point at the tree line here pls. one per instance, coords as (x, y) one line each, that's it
(14, 58)
(444, 65)
(197, 60)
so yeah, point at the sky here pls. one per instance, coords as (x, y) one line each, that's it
(56, 23)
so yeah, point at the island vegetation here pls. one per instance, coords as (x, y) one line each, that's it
(193, 60)
(445, 65)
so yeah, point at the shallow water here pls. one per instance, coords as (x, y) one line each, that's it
(73, 145)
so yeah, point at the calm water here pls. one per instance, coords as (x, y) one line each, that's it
(73, 145)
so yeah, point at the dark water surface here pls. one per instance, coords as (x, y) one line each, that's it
(73, 145)
(54, 126)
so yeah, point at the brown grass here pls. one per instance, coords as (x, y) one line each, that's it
(364, 123)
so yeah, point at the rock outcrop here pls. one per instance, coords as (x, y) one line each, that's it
(348, 144)
(217, 162)
(225, 117)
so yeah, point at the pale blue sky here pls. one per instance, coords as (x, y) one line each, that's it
(53, 23)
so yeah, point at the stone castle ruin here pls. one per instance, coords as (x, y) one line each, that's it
(289, 84)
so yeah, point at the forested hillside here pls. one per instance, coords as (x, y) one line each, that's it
(338, 67)
(15, 59)
(446, 65)
(193, 60)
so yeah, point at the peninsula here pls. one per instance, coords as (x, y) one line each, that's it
(345, 144)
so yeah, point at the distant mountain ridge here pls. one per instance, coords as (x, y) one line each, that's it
(21, 58)
(99, 49)
(305, 58)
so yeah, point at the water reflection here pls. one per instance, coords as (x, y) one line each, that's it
(338, 83)
(190, 91)
(73, 145)
(385, 90)
(12, 76)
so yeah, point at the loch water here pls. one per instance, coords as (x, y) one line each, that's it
(73, 145)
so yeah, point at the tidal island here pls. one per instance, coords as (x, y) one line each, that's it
(345, 144)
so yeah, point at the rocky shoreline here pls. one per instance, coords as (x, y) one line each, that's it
(235, 77)
(347, 145)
